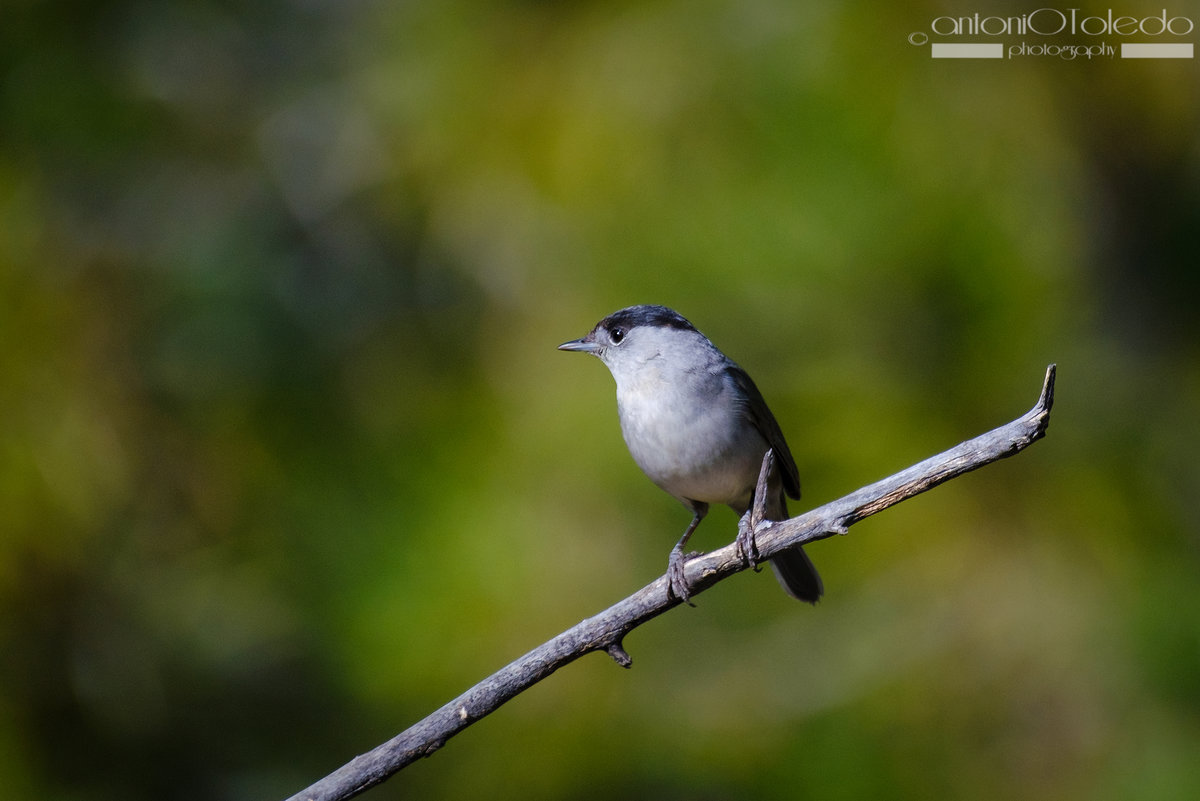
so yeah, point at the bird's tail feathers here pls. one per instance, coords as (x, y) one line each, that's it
(797, 574)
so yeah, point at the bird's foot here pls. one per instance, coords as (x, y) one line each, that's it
(754, 520)
(677, 586)
(746, 545)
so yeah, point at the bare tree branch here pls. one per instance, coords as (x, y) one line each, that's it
(605, 631)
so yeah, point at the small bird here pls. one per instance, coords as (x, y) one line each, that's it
(698, 427)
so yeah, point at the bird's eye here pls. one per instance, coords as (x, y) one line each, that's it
(616, 335)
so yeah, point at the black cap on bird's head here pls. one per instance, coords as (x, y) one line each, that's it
(656, 316)
(613, 328)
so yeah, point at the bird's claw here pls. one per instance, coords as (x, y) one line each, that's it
(746, 545)
(677, 586)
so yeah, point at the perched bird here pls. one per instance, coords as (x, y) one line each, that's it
(698, 427)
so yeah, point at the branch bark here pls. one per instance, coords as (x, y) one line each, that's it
(605, 631)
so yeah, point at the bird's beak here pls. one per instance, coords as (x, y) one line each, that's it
(585, 345)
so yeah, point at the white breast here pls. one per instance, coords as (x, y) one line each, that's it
(687, 433)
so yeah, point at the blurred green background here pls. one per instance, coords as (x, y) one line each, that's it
(288, 459)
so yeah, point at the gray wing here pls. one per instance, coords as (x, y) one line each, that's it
(760, 417)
